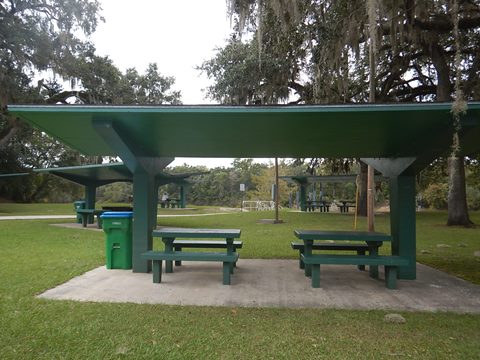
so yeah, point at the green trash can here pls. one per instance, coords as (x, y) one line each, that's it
(79, 204)
(118, 239)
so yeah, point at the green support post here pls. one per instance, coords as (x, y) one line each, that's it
(182, 197)
(155, 205)
(144, 185)
(303, 197)
(90, 199)
(402, 219)
(143, 193)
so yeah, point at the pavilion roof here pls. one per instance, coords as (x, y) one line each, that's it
(365, 131)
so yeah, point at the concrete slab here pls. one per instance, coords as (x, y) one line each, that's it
(273, 283)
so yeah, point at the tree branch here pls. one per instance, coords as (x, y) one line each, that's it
(8, 131)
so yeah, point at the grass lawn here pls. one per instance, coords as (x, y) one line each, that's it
(32, 328)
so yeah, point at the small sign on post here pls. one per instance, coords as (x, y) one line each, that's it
(242, 187)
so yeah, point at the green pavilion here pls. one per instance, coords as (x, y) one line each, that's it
(398, 140)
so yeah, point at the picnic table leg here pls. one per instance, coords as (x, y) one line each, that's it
(84, 219)
(301, 264)
(391, 277)
(230, 251)
(315, 276)
(226, 272)
(308, 252)
(157, 271)
(177, 262)
(99, 221)
(168, 249)
(361, 253)
(373, 251)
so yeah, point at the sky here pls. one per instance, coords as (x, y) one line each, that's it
(178, 35)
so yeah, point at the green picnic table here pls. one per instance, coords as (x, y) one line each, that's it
(86, 213)
(373, 239)
(198, 236)
(346, 205)
(323, 206)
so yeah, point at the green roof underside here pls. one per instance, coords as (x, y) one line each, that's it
(312, 179)
(102, 174)
(87, 174)
(394, 130)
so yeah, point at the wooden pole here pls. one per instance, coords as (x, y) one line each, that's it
(356, 202)
(370, 199)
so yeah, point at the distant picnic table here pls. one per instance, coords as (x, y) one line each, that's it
(321, 205)
(87, 213)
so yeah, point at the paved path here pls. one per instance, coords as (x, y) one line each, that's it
(43, 217)
(273, 283)
(37, 217)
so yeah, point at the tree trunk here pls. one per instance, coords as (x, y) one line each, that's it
(9, 130)
(362, 198)
(457, 195)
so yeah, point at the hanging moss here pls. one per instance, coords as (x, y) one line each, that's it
(459, 106)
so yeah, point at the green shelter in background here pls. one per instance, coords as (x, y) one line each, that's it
(94, 176)
(398, 140)
(304, 181)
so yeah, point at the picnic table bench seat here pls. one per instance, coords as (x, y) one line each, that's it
(157, 257)
(389, 262)
(361, 249)
(178, 245)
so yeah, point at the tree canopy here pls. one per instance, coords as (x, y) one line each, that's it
(326, 46)
(422, 50)
(45, 57)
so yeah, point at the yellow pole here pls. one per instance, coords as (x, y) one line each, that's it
(276, 191)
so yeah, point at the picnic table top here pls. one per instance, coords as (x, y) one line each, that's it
(196, 233)
(341, 235)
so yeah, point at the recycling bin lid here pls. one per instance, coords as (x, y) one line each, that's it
(116, 214)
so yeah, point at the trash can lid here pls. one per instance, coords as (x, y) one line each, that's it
(117, 214)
